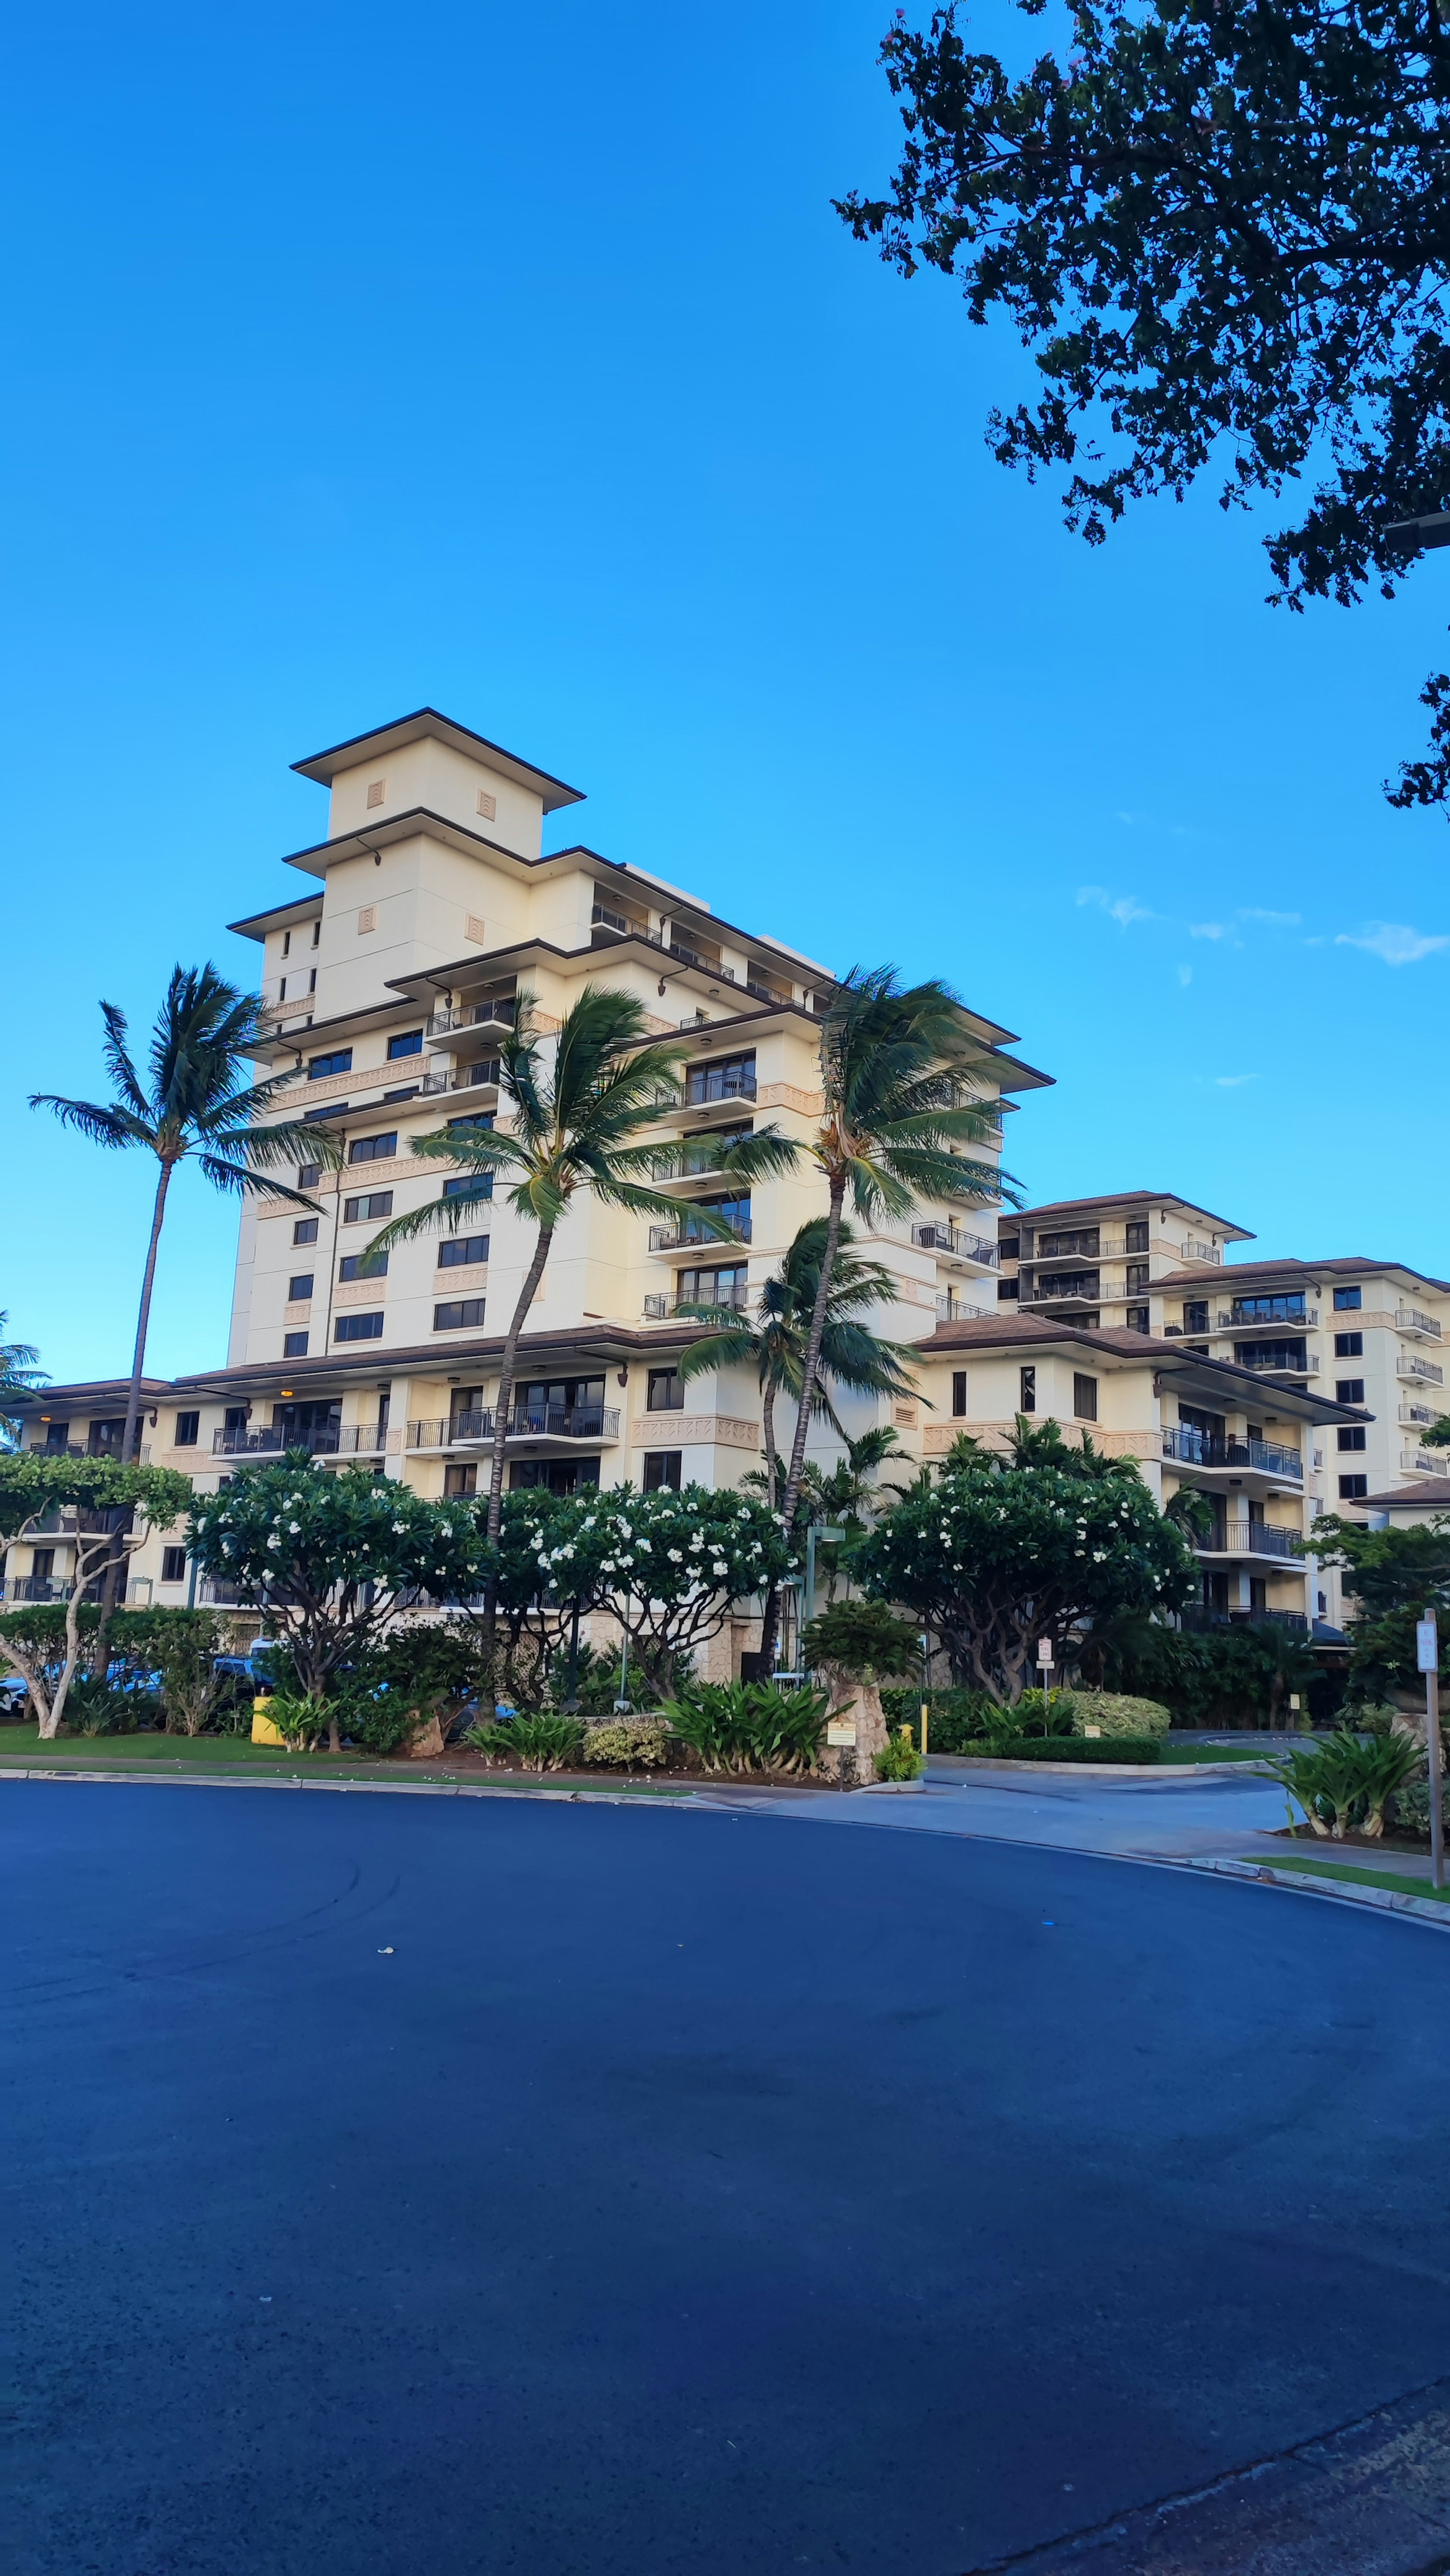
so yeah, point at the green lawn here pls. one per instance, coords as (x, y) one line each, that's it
(1365, 1877)
(236, 1755)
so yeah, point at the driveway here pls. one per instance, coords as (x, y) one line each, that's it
(461, 2185)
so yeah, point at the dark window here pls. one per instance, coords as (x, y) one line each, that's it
(1027, 1390)
(1136, 1278)
(479, 1118)
(733, 1078)
(1136, 1237)
(305, 1230)
(411, 1093)
(57, 1436)
(42, 1563)
(339, 1062)
(1136, 1319)
(1061, 1247)
(1352, 1489)
(460, 1480)
(308, 1175)
(555, 1475)
(480, 1186)
(351, 1266)
(959, 1391)
(662, 1467)
(1009, 1247)
(1290, 1356)
(1349, 1390)
(458, 1314)
(1352, 1438)
(106, 1437)
(463, 1252)
(1347, 1301)
(294, 1346)
(173, 1565)
(1286, 1309)
(299, 1286)
(373, 1149)
(666, 1395)
(358, 1328)
(338, 1109)
(1007, 1288)
(1085, 1398)
(1349, 1346)
(185, 1431)
(410, 1044)
(369, 1210)
(727, 1286)
(1195, 1316)
(236, 1414)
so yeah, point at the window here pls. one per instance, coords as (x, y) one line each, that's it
(733, 1078)
(463, 1252)
(173, 1565)
(358, 1328)
(1085, 1398)
(409, 1092)
(294, 1346)
(308, 1175)
(1007, 1288)
(959, 1392)
(312, 980)
(1352, 1437)
(662, 1468)
(1027, 1390)
(1061, 1247)
(1195, 1317)
(458, 1315)
(377, 790)
(339, 1062)
(1136, 1319)
(1010, 1247)
(367, 919)
(305, 1230)
(1349, 1390)
(317, 932)
(475, 1118)
(666, 1395)
(373, 1149)
(727, 1285)
(42, 1563)
(460, 1480)
(368, 1210)
(298, 1287)
(1352, 1489)
(57, 1437)
(1349, 1346)
(480, 1186)
(351, 1266)
(1347, 1301)
(282, 990)
(1136, 1237)
(411, 1043)
(1136, 1278)
(1288, 1308)
(184, 1430)
(338, 1109)
(555, 1475)
(286, 943)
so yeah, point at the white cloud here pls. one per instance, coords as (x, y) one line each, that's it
(1121, 908)
(1273, 920)
(1208, 930)
(1185, 974)
(1232, 1081)
(1394, 941)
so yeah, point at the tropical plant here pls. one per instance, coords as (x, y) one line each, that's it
(1190, 1510)
(999, 1554)
(749, 1726)
(112, 1506)
(774, 1342)
(1346, 1781)
(642, 1743)
(1037, 1713)
(899, 1758)
(334, 1557)
(1392, 1576)
(1108, 1713)
(20, 1374)
(1221, 233)
(540, 1739)
(196, 1105)
(864, 1640)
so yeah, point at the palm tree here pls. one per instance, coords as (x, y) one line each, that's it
(200, 1108)
(851, 1355)
(19, 1375)
(568, 1134)
(894, 1063)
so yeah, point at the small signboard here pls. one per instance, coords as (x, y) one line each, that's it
(841, 1730)
(1044, 1652)
(1427, 1645)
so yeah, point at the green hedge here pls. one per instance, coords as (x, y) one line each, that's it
(957, 1722)
(1067, 1748)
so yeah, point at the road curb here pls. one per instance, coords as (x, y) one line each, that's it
(1168, 1774)
(1382, 1900)
(367, 1788)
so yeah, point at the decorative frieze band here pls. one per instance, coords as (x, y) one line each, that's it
(694, 1430)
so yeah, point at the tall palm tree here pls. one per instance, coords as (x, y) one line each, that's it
(19, 1375)
(774, 1342)
(569, 1131)
(894, 1063)
(196, 1105)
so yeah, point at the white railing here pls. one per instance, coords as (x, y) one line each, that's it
(1194, 1250)
(1408, 1319)
(1428, 1371)
(1425, 1462)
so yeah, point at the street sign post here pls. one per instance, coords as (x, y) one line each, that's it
(1427, 1656)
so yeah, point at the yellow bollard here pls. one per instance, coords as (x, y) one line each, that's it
(263, 1731)
(923, 1729)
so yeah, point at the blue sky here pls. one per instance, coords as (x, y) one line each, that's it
(518, 363)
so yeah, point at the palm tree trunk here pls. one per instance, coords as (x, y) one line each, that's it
(494, 1523)
(810, 1372)
(117, 1560)
(767, 1427)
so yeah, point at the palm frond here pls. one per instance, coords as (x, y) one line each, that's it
(240, 1180)
(117, 1058)
(104, 1126)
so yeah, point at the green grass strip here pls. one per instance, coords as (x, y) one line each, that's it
(1365, 1877)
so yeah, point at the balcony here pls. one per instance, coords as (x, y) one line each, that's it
(952, 1309)
(936, 1236)
(1421, 1328)
(496, 1017)
(1425, 1462)
(1081, 1289)
(323, 1440)
(709, 1083)
(215, 1595)
(36, 1587)
(687, 1236)
(1191, 1448)
(1199, 1621)
(1259, 1315)
(594, 1423)
(1277, 1359)
(697, 1161)
(1252, 1538)
(1424, 1414)
(604, 917)
(768, 993)
(1196, 1250)
(1426, 1372)
(658, 1309)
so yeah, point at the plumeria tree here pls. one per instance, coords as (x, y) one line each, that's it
(333, 1557)
(1001, 1551)
(669, 1566)
(103, 1507)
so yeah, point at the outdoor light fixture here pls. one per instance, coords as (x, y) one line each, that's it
(1431, 530)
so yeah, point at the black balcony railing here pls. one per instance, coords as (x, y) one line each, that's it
(1251, 1538)
(35, 1587)
(1207, 1449)
(1198, 1620)
(719, 1082)
(674, 1238)
(934, 1235)
(320, 1440)
(528, 1422)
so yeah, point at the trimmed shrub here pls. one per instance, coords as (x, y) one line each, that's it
(539, 1740)
(1068, 1748)
(898, 1759)
(1116, 1713)
(641, 1742)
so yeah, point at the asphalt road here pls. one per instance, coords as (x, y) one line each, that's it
(429, 2185)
